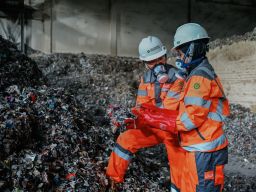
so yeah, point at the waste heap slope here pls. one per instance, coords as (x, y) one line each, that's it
(16, 68)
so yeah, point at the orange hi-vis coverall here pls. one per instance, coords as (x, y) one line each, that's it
(163, 95)
(203, 108)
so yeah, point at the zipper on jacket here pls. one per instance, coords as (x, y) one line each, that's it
(200, 135)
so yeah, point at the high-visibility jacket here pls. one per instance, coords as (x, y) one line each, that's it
(203, 108)
(165, 95)
(129, 142)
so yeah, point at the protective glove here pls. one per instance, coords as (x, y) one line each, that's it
(130, 123)
(155, 117)
(137, 123)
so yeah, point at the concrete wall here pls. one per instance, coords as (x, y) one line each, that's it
(77, 26)
(117, 26)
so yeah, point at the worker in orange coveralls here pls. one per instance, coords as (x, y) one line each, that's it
(203, 108)
(160, 86)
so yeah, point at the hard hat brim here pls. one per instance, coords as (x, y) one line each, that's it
(175, 47)
(155, 56)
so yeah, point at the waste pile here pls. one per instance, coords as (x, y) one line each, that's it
(111, 73)
(59, 137)
(61, 148)
(111, 79)
(249, 36)
(16, 68)
(241, 131)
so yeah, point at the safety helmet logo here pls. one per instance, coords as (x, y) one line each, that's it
(151, 48)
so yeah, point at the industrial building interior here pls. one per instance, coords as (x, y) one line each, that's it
(64, 65)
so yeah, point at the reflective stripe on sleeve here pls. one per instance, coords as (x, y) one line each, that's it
(220, 106)
(172, 94)
(142, 93)
(123, 153)
(164, 90)
(208, 145)
(218, 116)
(220, 110)
(215, 116)
(187, 122)
(197, 101)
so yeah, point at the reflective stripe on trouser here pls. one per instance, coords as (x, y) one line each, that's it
(173, 188)
(135, 139)
(204, 171)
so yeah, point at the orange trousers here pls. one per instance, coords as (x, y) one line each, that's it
(204, 171)
(132, 140)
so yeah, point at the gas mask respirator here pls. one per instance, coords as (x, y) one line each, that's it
(184, 63)
(179, 65)
(160, 73)
(194, 54)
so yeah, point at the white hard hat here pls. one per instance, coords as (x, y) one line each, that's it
(151, 48)
(187, 33)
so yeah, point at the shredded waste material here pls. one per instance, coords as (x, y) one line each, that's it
(249, 36)
(16, 68)
(56, 131)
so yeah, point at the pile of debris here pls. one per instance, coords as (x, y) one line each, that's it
(48, 142)
(249, 36)
(16, 68)
(59, 137)
(111, 79)
(241, 131)
(110, 73)
(61, 148)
